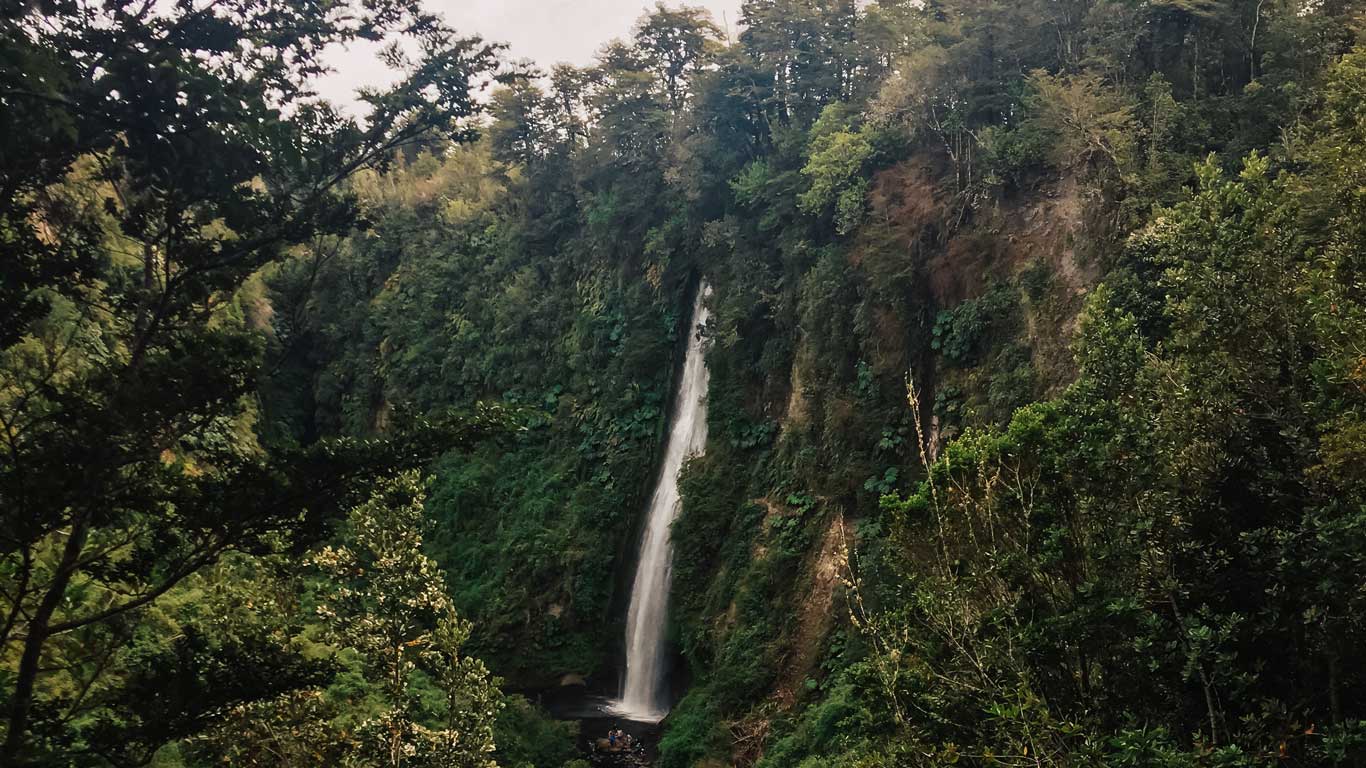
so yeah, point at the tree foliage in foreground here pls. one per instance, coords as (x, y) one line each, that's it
(154, 159)
(383, 602)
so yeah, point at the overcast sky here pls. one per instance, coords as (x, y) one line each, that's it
(545, 31)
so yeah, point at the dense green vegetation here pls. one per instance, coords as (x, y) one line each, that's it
(1036, 410)
(158, 603)
(449, 300)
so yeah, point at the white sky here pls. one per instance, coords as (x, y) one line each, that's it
(545, 31)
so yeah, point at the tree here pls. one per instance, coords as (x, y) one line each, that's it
(569, 90)
(808, 49)
(415, 700)
(835, 169)
(168, 153)
(386, 600)
(630, 122)
(521, 128)
(1091, 123)
(676, 44)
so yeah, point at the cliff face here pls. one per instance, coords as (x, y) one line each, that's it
(979, 313)
(1016, 469)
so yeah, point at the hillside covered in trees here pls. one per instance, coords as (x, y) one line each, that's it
(1037, 403)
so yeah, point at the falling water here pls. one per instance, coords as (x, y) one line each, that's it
(645, 697)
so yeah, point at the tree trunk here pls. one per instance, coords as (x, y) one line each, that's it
(38, 632)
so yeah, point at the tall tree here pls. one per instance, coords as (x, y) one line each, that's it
(676, 42)
(387, 600)
(807, 48)
(521, 131)
(383, 612)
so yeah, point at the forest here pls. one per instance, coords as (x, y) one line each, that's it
(1035, 426)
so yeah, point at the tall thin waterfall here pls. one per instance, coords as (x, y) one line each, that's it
(645, 696)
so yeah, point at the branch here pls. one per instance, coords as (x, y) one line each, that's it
(184, 572)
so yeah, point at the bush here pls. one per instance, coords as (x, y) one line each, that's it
(527, 737)
(694, 732)
(960, 333)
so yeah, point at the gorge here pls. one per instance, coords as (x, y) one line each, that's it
(1018, 420)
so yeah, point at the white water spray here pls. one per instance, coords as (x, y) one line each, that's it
(645, 697)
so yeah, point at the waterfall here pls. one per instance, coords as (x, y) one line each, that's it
(645, 696)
